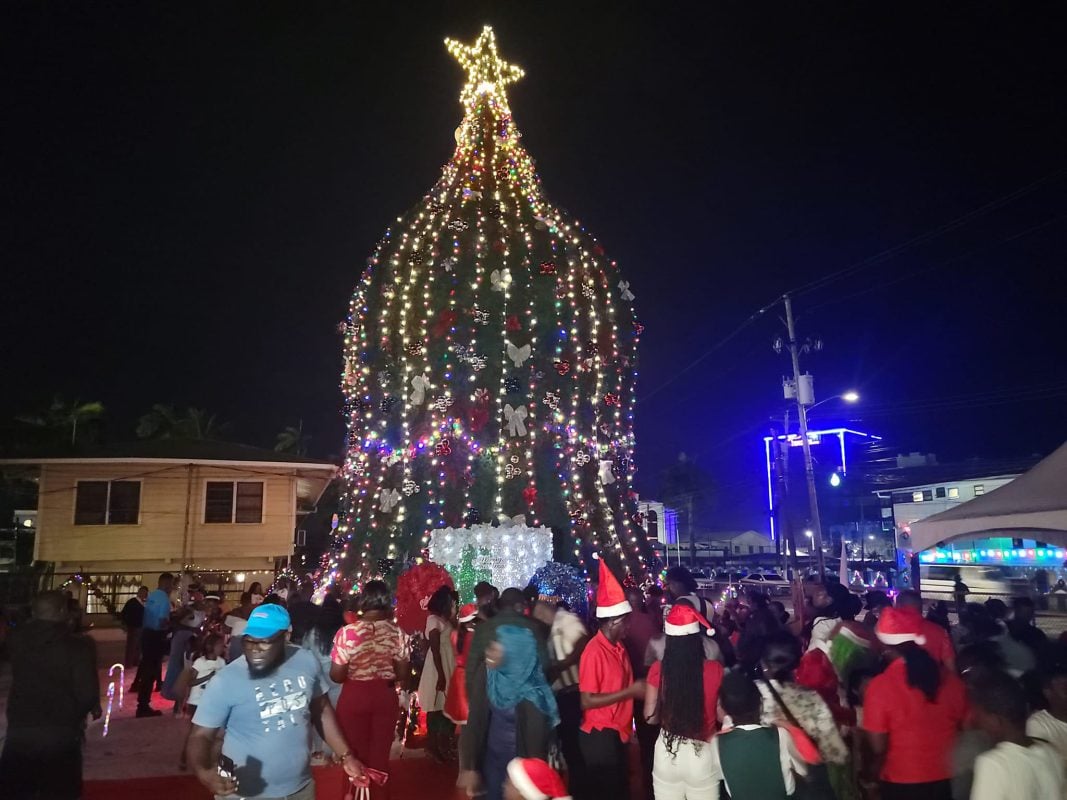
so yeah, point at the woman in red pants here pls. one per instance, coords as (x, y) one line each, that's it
(367, 659)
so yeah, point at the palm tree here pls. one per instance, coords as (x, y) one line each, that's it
(161, 422)
(293, 440)
(62, 415)
(200, 425)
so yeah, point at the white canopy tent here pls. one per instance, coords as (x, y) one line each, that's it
(1035, 502)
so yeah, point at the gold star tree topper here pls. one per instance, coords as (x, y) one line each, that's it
(487, 72)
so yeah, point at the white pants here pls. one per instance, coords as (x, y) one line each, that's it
(686, 775)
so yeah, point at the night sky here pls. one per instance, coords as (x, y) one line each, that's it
(191, 191)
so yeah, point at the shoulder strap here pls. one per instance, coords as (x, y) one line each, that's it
(789, 714)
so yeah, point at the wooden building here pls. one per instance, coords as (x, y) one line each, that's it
(118, 517)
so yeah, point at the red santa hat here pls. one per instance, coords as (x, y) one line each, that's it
(897, 626)
(610, 599)
(683, 621)
(468, 612)
(535, 780)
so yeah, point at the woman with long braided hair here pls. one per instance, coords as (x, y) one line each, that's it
(682, 696)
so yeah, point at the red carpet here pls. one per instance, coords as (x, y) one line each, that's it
(409, 779)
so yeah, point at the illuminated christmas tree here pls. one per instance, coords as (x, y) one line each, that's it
(490, 359)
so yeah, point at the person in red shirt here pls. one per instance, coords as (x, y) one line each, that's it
(607, 688)
(685, 708)
(911, 715)
(938, 643)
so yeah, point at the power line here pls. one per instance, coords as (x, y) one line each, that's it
(958, 222)
(752, 318)
(879, 257)
(940, 265)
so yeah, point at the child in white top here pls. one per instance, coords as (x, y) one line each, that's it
(208, 662)
(205, 666)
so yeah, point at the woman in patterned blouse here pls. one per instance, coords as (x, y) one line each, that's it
(368, 659)
(789, 705)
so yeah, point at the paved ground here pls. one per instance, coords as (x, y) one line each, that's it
(133, 748)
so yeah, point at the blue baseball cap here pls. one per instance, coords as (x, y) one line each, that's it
(267, 620)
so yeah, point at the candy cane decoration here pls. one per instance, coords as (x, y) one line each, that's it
(110, 698)
(122, 678)
(111, 693)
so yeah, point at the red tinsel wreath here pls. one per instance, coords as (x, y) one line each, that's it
(413, 590)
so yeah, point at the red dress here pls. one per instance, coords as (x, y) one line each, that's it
(456, 699)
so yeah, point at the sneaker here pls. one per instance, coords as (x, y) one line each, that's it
(149, 712)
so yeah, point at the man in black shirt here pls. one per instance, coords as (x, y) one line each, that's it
(54, 687)
(302, 611)
(132, 619)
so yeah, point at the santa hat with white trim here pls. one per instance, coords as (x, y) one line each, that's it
(684, 620)
(897, 626)
(610, 599)
(468, 612)
(536, 780)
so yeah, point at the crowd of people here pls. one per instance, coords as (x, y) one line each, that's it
(843, 700)
(738, 698)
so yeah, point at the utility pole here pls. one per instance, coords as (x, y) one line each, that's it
(802, 412)
(689, 522)
(786, 544)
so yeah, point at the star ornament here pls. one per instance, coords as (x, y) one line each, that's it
(487, 72)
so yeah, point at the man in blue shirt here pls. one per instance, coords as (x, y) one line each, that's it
(264, 701)
(153, 643)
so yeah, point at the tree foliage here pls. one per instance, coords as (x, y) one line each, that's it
(162, 422)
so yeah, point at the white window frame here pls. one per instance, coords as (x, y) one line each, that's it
(917, 497)
(233, 501)
(979, 489)
(953, 492)
(107, 503)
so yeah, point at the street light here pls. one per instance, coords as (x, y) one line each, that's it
(851, 396)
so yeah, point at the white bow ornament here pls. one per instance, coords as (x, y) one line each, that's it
(606, 475)
(419, 385)
(515, 417)
(388, 499)
(624, 290)
(518, 354)
(500, 279)
(449, 263)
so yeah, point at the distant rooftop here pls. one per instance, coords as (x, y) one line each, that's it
(168, 450)
(900, 478)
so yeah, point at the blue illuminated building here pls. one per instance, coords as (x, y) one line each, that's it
(832, 451)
